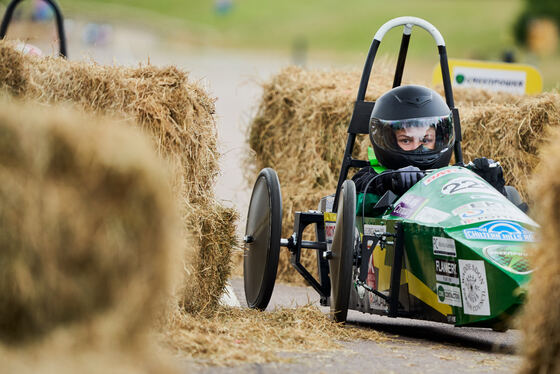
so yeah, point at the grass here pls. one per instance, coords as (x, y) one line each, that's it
(473, 28)
(478, 29)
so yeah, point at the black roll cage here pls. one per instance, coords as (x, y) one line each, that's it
(359, 122)
(59, 23)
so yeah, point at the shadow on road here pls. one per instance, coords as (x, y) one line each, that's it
(478, 339)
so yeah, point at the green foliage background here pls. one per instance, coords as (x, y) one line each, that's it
(473, 28)
(533, 9)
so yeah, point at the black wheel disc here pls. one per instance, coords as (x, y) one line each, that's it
(342, 252)
(262, 237)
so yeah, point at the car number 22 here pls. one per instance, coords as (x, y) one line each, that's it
(466, 185)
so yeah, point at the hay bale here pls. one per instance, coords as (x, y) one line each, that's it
(300, 131)
(12, 71)
(511, 133)
(88, 228)
(540, 320)
(176, 113)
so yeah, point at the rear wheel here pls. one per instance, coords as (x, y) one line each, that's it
(342, 252)
(262, 240)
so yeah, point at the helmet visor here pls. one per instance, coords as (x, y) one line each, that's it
(426, 135)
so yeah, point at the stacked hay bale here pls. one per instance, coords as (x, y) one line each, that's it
(509, 129)
(177, 114)
(300, 131)
(89, 234)
(539, 323)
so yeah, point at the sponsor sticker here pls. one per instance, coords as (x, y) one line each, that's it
(500, 230)
(408, 206)
(371, 230)
(467, 185)
(449, 295)
(513, 259)
(429, 179)
(330, 224)
(482, 197)
(431, 215)
(444, 246)
(487, 210)
(474, 288)
(329, 202)
(446, 271)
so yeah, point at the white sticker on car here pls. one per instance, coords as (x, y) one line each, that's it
(438, 174)
(431, 215)
(467, 185)
(449, 295)
(488, 210)
(444, 246)
(474, 287)
(371, 230)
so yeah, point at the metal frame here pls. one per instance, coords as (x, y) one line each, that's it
(295, 243)
(59, 23)
(359, 123)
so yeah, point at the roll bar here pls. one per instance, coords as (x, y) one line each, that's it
(362, 108)
(59, 23)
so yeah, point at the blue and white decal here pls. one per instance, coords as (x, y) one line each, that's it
(489, 210)
(500, 230)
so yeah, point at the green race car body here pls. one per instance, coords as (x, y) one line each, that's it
(465, 261)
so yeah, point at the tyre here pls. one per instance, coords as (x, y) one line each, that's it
(262, 240)
(342, 252)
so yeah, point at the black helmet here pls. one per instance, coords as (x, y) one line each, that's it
(412, 125)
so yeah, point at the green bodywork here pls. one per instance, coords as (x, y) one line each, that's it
(465, 261)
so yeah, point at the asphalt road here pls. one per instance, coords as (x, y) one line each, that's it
(415, 346)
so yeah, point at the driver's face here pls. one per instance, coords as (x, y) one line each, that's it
(411, 138)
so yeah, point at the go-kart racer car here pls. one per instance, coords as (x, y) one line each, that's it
(436, 242)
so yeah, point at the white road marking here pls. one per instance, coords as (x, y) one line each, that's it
(228, 298)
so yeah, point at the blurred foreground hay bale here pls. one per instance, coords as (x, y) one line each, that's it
(300, 131)
(88, 232)
(540, 322)
(178, 115)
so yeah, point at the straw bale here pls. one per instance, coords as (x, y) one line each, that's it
(540, 322)
(88, 228)
(510, 132)
(199, 295)
(300, 131)
(234, 335)
(12, 71)
(464, 97)
(175, 112)
(74, 350)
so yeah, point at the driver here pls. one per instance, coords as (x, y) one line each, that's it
(412, 130)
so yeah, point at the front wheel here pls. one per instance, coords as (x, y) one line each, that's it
(342, 252)
(262, 238)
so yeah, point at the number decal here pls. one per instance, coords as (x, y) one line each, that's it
(466, 185)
